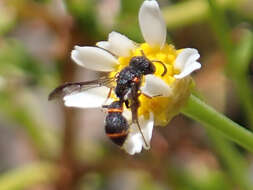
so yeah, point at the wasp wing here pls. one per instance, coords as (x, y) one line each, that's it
(78, 87)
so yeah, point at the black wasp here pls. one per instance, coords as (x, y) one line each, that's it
(128, 82)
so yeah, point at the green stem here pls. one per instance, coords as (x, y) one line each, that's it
(23, 178)
(210, 118)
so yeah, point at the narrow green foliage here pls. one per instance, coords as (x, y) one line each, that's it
(197, 11)
(84, 12)
(232, 159)
(44, 141)
(238, 58)
(26, 176)
(128, 15)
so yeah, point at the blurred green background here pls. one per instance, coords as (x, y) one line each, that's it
(46, 146)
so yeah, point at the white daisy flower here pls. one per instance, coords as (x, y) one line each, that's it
(161, 96)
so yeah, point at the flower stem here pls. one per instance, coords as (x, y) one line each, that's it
(210, 118)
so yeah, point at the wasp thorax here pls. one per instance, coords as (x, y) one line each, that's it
(142, 64)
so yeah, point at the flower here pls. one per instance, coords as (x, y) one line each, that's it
(162, 96)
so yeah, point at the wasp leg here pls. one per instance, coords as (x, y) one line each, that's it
(134, 109)
(108, 96)
(127, 103)
(139, 127)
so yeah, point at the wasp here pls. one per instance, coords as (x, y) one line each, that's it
(127, 90)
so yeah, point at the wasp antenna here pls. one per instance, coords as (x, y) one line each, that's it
(164, 67)
(113, 54)
(50, 96)
(53, 94)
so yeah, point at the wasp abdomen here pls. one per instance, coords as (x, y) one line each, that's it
(116, 128)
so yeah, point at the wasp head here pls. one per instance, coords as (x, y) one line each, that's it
(142, 65)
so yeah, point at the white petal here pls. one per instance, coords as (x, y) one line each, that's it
(118, 44)
(154, 86)
(186, 62)
(133, 144)
(94, 58)
(103, 44)
(188, 69)
(187, 54)
(134, 141)
(92, 98)
(152, 24)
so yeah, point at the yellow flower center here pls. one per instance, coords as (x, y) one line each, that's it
(163, 108)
